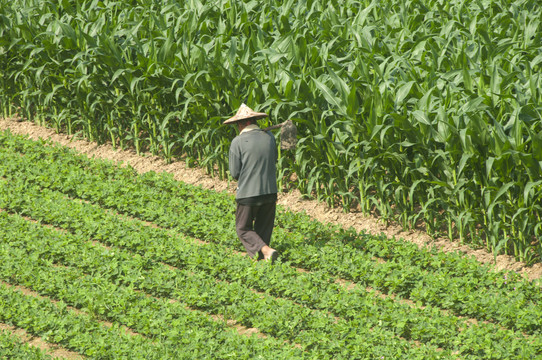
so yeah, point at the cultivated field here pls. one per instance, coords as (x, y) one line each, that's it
(426, 114)
(140, 265)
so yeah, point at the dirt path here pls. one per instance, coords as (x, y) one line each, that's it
(291, 200)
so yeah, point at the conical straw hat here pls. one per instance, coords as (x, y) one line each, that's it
(245, 113)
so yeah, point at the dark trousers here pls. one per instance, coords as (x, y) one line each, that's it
(254, 225)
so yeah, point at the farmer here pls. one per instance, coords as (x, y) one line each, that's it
(252, 162)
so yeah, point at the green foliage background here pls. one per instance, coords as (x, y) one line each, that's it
(422, 111)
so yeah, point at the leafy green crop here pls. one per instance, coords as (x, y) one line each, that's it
(281, 318)
(312, 290)
(145, 265)
(74, 331)
(13, 348)
(169, 324)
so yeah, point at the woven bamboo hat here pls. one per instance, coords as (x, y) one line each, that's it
(245, 113)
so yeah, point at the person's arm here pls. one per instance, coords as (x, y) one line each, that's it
(234, 161)
(274, 149)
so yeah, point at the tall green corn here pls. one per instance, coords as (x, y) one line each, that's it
(426, 112)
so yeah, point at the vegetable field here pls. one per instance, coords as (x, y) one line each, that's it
(425, 112)
(159, 261)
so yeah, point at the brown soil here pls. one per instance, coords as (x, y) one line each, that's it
(292, 200)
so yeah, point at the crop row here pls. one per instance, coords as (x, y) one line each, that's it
(427, 325)
(429, 278)
(11, 347)
(76, 331)
(100, 292)
(314, 330)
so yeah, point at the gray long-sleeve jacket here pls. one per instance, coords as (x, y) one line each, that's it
(252, 162)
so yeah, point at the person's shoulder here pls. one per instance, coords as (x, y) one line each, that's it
(270, 134)
(266, 132)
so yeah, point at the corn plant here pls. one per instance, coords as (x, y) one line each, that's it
(425, 112)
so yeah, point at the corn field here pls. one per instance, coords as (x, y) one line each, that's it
(422, 112)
